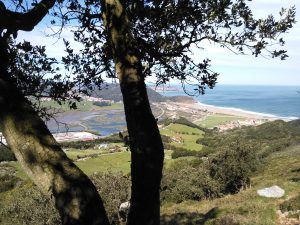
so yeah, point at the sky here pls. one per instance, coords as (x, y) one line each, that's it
(233, 69)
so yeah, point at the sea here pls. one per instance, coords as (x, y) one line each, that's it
(278, 101)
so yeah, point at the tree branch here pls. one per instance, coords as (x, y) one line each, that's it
(15, 21)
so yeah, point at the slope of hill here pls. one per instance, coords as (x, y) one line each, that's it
(219, 189)
(113, 92)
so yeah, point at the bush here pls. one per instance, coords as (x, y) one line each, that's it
(114, 189)
(102, 104)
(8, 179)
(188, 181)
(8, 182)
(26, 205)
(6, 154)
(267, 138)
(165, 139)
(292, 204)
(228, 219)
(182, 152)
(232, 167)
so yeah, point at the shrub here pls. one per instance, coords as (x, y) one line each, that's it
(26, 205)
(292, 204)
(188, 181)
(8, 182)
(8, 179)
(165, 138)
(6, 154)
(102, 104)
(233, 166)
(182, 152)
(229, 219)
(114, 188)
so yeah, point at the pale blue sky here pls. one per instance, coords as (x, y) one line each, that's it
(234, 69)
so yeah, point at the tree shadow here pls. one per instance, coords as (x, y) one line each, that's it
(295, 179)
(296, 170)
(189, 218)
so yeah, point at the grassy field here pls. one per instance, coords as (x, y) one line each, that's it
(217, 119)
(246, 207)
(104, 162)
(116, 162)
(186, 136)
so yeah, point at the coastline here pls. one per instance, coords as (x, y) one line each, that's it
(187, 106)
(243, 113)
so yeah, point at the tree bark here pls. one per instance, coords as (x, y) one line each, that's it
(41, 157)
(147, 152)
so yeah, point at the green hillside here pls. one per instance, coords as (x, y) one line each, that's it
(210, 178)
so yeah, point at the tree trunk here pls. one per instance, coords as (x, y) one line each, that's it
(147, 153)
(41, 157)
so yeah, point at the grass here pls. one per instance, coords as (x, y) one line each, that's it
(19, 171)
(116, 162)
(108, 162)
(247, 207)
(217, 119)
(185, 134)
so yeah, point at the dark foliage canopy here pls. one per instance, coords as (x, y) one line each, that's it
(164, 33)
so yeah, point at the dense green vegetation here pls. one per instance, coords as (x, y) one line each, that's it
(266, 138)
(102, 104)
(194, 183)
(246, 207)
(6, 154)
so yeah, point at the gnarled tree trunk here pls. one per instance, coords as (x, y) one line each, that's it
(41, 157)
(146, 146)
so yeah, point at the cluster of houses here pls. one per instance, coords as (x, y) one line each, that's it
(95, 99)
(239, 123)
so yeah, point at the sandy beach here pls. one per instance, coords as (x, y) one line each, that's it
(221, 110)
(190, 105)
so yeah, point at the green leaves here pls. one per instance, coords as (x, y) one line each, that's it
(164, 33)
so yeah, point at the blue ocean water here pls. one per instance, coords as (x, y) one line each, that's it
(281, 101)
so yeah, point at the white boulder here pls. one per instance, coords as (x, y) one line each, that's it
(271, 192)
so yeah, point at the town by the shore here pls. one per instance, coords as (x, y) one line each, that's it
(188, 108)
